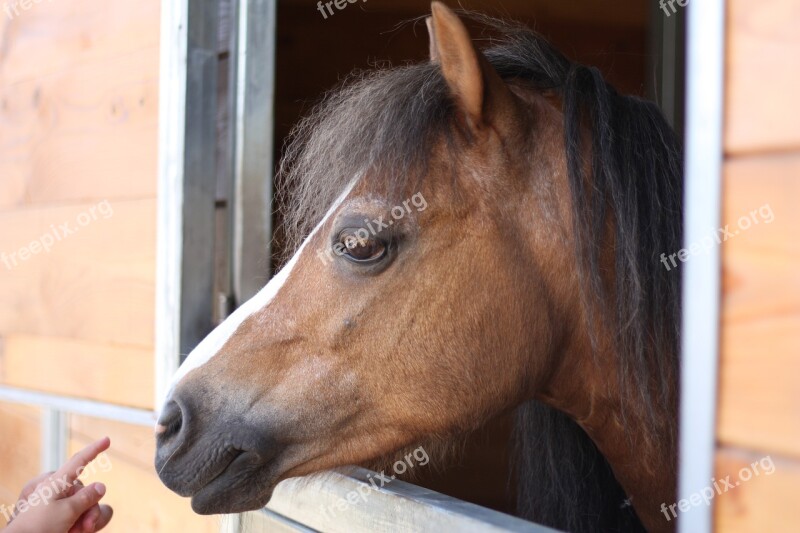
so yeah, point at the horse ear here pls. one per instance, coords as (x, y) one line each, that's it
(479, 91)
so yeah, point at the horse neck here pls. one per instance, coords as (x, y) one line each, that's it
(643, 458)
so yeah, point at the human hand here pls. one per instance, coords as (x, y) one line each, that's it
(57, 502)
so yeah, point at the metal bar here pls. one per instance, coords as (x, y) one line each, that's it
(250, 200)
(275, 523)
(230, 523)
(78, 406)
(200, 175)
(54, 438)
(227, 296)
(667, 66)
(253, 173)
(186, 182)
(701, 282)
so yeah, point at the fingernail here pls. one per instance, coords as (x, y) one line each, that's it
(100, 488)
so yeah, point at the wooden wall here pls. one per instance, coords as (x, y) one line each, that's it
(79, 135)
(759, 409)
(19, 450)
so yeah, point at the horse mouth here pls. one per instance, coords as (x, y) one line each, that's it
(226, 486)
(239, 487)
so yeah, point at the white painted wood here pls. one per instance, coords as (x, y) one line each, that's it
(345, 501)
(171, 148)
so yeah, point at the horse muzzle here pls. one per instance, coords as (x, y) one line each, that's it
(213, 457)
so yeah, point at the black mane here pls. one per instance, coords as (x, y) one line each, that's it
(387, 120)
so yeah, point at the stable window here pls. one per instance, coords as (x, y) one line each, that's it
(244, 73)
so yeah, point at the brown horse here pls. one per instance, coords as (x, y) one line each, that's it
(486, 237)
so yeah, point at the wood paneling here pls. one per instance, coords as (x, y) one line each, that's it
(766, 502)
(760, 264)
(55, 36)
(103, 372)
(760, 367)
(79, 135)
(763, 62)
(96, 284)
(759, 397)
(83, 134)
(759, 389)
(141, 502)
(19, 450)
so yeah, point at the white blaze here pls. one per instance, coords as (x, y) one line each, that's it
(215, 340)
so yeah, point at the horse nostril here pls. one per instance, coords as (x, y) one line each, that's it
(170, 422)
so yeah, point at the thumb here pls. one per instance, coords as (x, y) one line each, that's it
(82, 501)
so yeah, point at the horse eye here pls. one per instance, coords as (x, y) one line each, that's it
(361, 248)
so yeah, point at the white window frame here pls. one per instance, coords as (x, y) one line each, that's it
(292, 506)
(700, 329)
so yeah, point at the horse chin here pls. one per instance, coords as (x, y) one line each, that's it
(212, 501)
(243, 486)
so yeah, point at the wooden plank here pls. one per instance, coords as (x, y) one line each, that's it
(19, 450)
(140, 501)
(95, 284)
(763, 70)
(81, 135)
(96, 371)
(760, 370)
(759, 400)
(759, 275)
(346, 501)
(765, 502)
(59, 36)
